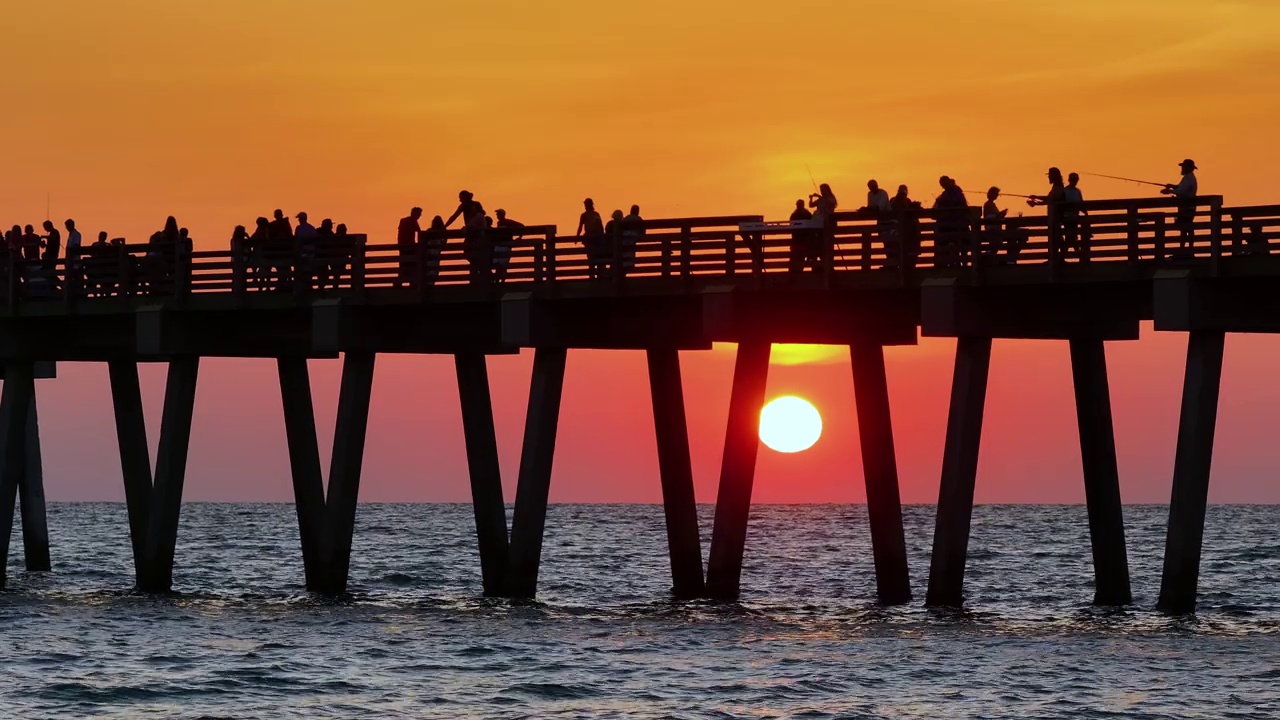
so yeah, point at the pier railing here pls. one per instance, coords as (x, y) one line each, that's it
(900, 247)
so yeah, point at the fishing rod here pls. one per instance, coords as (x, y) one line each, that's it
(1125, 179)
(983, 192)
(815, 182)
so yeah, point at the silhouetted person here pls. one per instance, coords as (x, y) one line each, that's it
(824, 206)
(633, 231)
(591, 230)
(324, 253)
(877, 198)
(305, 236)
(1053, 201)
(434, 240)
(259, 245)
(279, 249)
(907, 215)
(804, 242)
(30, 244)
(98, 267)
(406, 240)
(951, 223)
(1074, 230)
(13, 241)
(1186, 189)
(466, 207)
(503, 242)
(52, 248)
(993, 221)
(73, 238)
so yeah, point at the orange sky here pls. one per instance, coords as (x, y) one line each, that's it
(125, 112)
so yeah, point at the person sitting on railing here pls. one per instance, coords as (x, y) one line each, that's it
(951, 225)
(1186, 189)
(591, 230)
(804, 242)
(406, 238)
(503, 241)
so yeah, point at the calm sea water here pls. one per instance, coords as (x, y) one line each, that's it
(242, 638)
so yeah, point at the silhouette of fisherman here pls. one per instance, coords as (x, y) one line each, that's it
(52, 248)
(406, 238)
(1053, 201)
(1186, 190)
(824, 206)
(591, 230)
(993, 220)
(504, 240)
(804, 241)
(951, 223)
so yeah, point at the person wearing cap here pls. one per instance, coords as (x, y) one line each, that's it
(1053, 200)
(1186, 189)
(406, 237)
(951, 224)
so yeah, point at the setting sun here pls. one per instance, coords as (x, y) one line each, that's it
(790, 424)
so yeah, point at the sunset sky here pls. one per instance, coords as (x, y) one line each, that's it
(121, 113)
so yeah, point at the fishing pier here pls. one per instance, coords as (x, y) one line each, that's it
(1197, 267)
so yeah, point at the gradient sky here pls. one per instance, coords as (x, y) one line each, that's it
(121, 113)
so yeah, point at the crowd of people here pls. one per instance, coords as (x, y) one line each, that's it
(279, 254)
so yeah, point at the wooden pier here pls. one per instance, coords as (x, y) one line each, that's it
(682, 284)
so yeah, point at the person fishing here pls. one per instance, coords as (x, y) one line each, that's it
(950, 223)
(824, 206)
(1185, 190)
(993, 221)
(1053, 201)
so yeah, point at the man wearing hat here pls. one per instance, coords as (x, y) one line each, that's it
(1186, 189)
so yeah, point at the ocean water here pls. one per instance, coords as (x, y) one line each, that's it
(241, 638)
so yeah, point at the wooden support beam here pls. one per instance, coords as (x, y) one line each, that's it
(135, 456)
(959, 472)
(344, 470)
(15, 402)
(35, 525)
(171, 466)
(880, 471)
(534, 482)
(684, 544)
(1191, 469)
(737, 471)
(304, 464)
(482, 464)
(1101, 477)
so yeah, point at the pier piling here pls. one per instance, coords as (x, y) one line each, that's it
(171, 467)
(35, 525)
(1101, 477)
(304, 464)
(959, 472)
(534, 482)
(684, 542)
(737, 470)
(349, 434)
(482, 464)
(880, 471)
(1192, 464)
(16, 399)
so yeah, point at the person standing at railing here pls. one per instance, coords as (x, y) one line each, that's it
(1186, 189)
(591, 230)
(503, 241)
(1053, 201)
(434, 240)
(279, 249)
(632, 232)
(305, 248)
(258, 245)
(1075, 234)
(804, 242)
(824, 206)
(406, 239)
(906, 213)
(323, 254)
(52, 248)
(993, 222)
(951, 224)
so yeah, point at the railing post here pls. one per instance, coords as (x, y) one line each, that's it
(1134, 254)
(239, 271)
(358, 248)
(1055, 239)
(181, 273)
(615, 247)
(686, 249)
(1215, 236)
(1237, 234)
(666, 256)
(1158, 238)
(551, 256)
(730, 255)
(539, 261)
(866, 249)
(13, 281)
(420, 264)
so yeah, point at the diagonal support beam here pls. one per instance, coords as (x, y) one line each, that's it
(737, 471)
(534, 482)
(684, 542)
(349, 435)
(482, 463)
(171, 467)
(304, 463)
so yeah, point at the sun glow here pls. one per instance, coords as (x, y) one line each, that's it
(790, 424)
